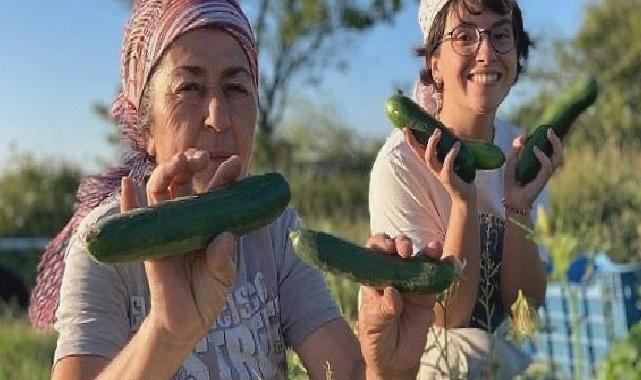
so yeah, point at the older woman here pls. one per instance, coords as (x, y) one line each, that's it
(188, 109)
(474, 51)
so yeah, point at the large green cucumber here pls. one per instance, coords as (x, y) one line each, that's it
(188, 223)
(487, 156)
(419, 274)
(559, 116)
(404, 113)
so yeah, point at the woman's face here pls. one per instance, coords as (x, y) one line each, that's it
(479, 82)
(203, 96)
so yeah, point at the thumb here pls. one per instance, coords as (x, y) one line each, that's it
(227, 173)
(510, 163)
(219, 258)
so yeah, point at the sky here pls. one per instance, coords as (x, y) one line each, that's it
(58, 58)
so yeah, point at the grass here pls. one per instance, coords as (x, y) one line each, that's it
(24, 353)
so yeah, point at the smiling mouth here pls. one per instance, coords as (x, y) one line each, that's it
(484, 78)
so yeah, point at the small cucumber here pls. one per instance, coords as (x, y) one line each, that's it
(404, 113)
(486, 156)
(418, 274)
(559, 116)
(188, 223)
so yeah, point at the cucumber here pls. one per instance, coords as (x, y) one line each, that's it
(418, 274)
(559, 116)
(404, 113)
(188, 223)
(486, 156)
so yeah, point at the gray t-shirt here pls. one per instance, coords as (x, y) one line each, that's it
(277, 301)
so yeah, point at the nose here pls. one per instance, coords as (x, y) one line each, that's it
(484, 51)
(217, 113)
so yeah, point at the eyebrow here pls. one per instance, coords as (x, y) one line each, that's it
(505, 21)
(199, 71)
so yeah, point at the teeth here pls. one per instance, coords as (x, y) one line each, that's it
(484, 78)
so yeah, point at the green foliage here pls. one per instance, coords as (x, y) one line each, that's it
(24, 352)
(597, 200)
(36, 198)
(300, 39)
(624, 359)
(562, 246)
(596, 195)
(22, 265)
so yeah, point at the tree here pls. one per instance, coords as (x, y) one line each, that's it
(606, 45)
(597, 195)
(36, 199)
(299, 39)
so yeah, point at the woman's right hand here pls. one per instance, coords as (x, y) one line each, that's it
(188, 290)
(458, 189)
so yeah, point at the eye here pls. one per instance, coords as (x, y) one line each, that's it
(502, 34)
(464, 35)
(236, 89)
(189, 88)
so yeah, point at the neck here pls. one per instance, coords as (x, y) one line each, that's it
(468, 125)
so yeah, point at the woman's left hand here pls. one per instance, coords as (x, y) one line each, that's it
(522, 197)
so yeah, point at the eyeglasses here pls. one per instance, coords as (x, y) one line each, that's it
(466, 38)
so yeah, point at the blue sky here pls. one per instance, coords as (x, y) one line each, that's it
(57, 58)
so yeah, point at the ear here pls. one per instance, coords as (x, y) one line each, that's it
(434, 66)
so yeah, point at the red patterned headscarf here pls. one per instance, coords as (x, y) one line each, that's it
(153, 26)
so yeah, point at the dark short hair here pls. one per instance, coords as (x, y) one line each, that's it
(475, 7)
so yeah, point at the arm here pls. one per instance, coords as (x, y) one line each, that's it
(462, 241)
(81, 367)
(184, 288)
(462, 237)
(333, 345)
(522, 267)
(149, 355)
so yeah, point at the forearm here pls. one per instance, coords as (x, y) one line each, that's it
(521, 266)
(462, 241)
(150, 354)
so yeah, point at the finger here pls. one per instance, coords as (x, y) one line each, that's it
(128, 198)
(545, 161)
(162, 177)
(448, 163)
(510, 164)
(382, 243)
(434, 250)
(430, 151)
(544, 174)
(219, 258)
(403, 246)
(557, 148)
(182, 184)
(227, 173)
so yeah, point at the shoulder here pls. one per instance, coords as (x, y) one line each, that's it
(396, 159)
(109, 207)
